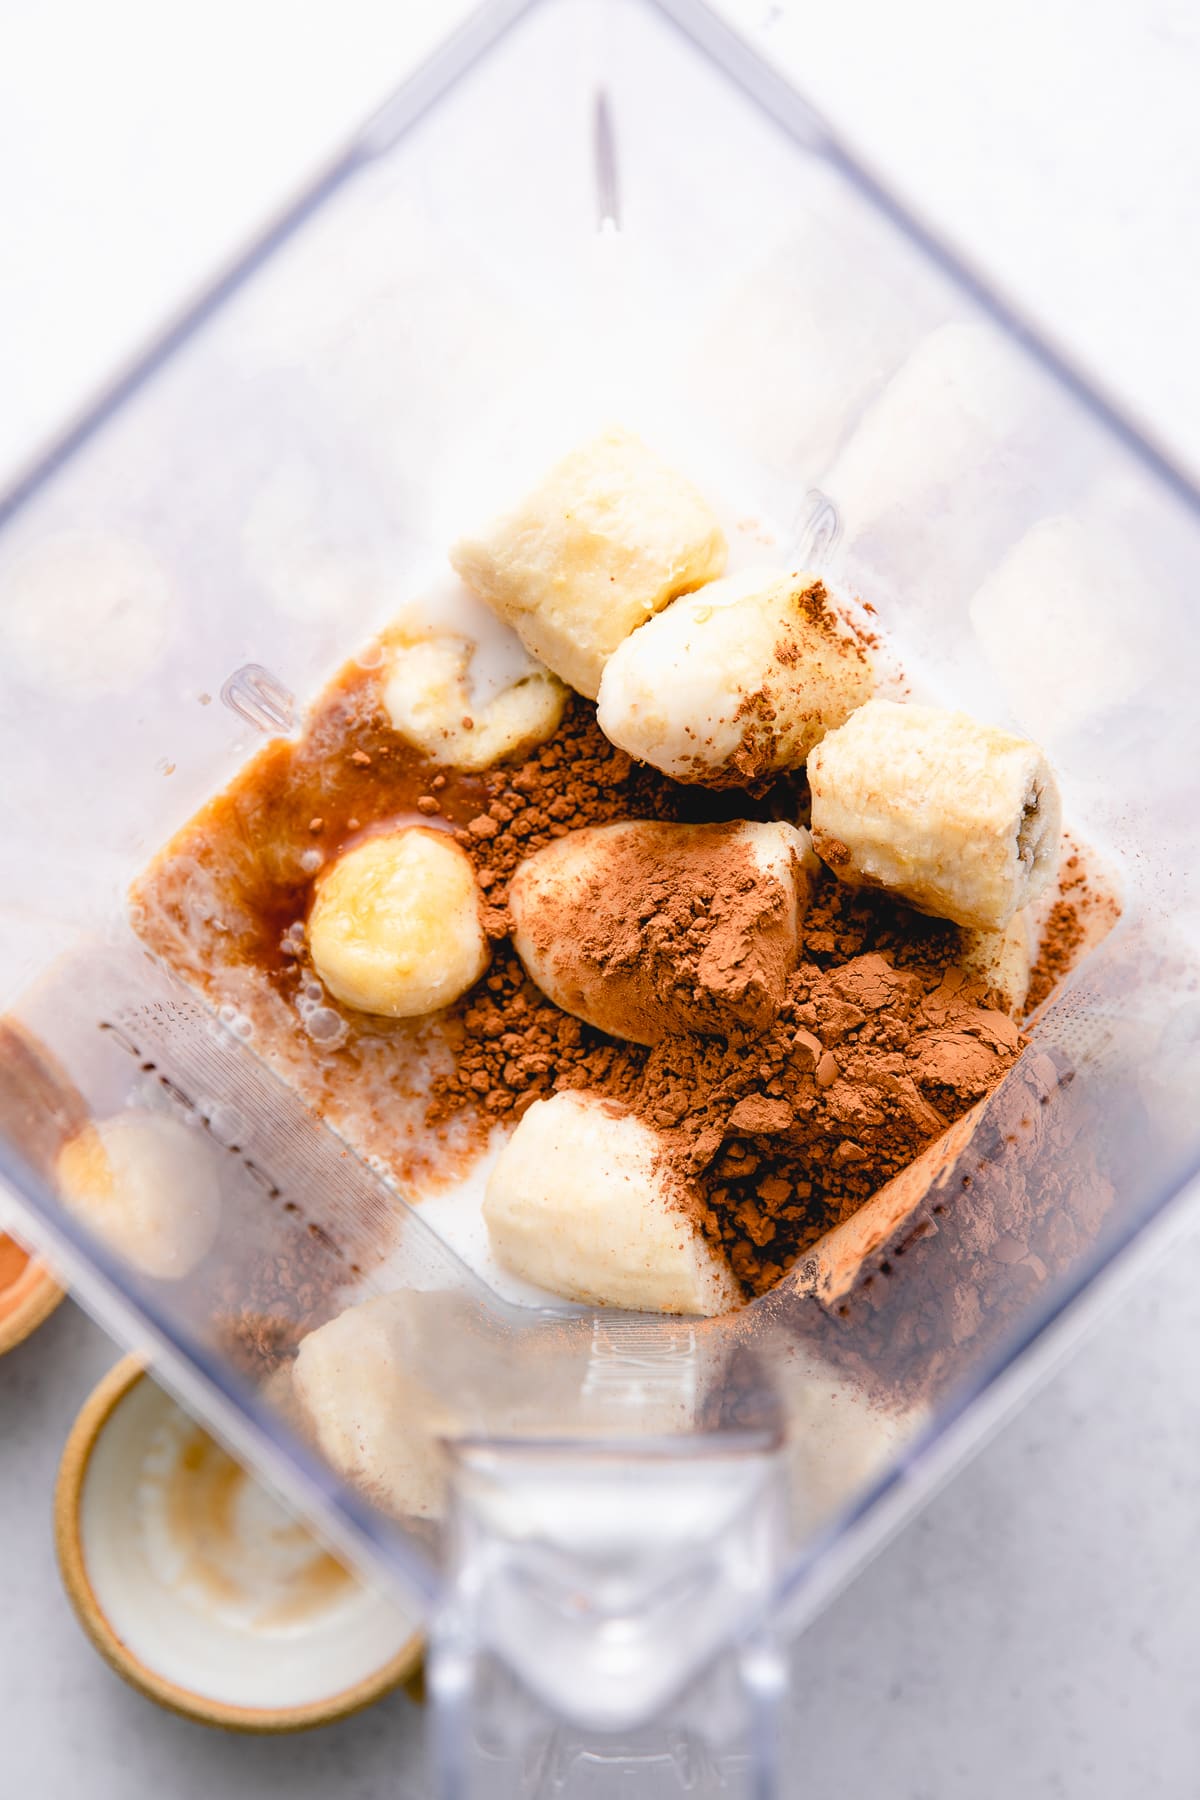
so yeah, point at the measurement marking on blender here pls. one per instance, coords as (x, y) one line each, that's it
(258, 1175)
(639, 1361)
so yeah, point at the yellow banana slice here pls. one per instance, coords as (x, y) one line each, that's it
(396, 926)
(581, 1202)
(735, 683)
(429, 702)
(608, 539)
(147, 1185)
(962, 820)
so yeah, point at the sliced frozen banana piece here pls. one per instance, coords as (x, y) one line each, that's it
(938, 422)
(374, 1421)
(581, 1201)
(644, 929)
(147, 1186)
(837, 1437)
(85, 613)
(1071, 585)
(608, 539)
(1004, 959)
(429, 701)
(735, 683)
(962, 820)
(396, 927)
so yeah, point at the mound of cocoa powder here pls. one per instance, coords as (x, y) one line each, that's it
(510, 1045)
(785, 1134)
(664, 925)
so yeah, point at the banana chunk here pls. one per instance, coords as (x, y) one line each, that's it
(147, 1186)
(377, 1423)
(608, 539)
(960, 819)
(581, 1202)
(1004, 959)
(429, 701)
(396, 927)
(736, 683)
(643, 929)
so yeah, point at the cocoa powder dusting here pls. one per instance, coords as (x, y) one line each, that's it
(1062, 937)
(752, 761)
(675, 927)
(786, 1134)
(1081, 915)
(1014, 1208)
(755, 753)
(820, 615)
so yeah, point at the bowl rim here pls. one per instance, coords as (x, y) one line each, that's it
(42, 1297)
(403, 1669)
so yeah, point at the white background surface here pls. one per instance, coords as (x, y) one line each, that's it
(1038, 1630)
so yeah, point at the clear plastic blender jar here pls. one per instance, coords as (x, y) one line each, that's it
(577, 211)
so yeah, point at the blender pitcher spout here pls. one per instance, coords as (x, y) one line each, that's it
(594, 1591)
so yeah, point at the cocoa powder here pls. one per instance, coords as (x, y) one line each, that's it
(751, 763)
(577, 778)
(1018, 1206)
(1062, 938)
(787, 1133)
(511, 1046)
(757, 744)
(820, 615)
(647, 927)
(1081, 914)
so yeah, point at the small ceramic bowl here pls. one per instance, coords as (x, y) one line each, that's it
(199, 1589)
(28, 1294)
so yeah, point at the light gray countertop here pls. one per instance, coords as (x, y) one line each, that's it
(1037, 1630)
